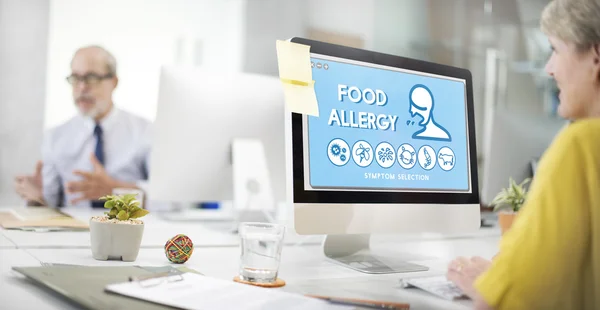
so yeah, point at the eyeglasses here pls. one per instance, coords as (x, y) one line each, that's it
(89, 79)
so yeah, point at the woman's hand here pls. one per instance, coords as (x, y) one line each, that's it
(463, 272)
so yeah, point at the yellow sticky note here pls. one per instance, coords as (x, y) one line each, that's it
(295, 73)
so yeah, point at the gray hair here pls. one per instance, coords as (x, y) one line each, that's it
(573, 21)
(111, 61)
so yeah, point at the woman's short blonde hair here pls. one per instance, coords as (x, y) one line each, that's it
(573, 21)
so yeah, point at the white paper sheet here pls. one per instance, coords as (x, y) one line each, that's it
(197, 292)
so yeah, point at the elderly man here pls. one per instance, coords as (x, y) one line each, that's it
(100, 149)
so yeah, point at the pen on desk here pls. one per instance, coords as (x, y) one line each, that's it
(150, 276)
(372, 304)
(165, 275)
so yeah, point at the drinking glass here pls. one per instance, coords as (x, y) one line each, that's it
(261, 245)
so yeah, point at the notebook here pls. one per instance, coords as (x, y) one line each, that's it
(194, 292)
(40, 219)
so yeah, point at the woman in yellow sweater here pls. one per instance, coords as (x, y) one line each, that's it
(550, 259)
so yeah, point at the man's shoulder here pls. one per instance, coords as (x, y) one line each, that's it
(69, 125)
(134, 119)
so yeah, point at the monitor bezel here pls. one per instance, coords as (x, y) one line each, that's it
(301, 195)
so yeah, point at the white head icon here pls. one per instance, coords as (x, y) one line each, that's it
(421, 103)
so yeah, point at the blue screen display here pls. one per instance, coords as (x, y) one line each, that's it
(382, 128)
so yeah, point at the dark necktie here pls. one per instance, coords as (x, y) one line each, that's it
(99, 152)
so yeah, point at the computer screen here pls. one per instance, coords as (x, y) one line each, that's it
(384, 129)
(393, 149)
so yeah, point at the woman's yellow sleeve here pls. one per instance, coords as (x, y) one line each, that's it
(547, 244)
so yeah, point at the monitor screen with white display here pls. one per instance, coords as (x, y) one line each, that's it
(383, 128)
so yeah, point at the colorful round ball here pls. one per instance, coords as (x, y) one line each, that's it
(179, 249)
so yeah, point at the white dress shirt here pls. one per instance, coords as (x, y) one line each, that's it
(68, 147)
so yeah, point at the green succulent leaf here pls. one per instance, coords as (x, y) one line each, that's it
(513, 197)
(109, 204)
(123, 207)
(122, 216)
(139, 213)
(128, 198)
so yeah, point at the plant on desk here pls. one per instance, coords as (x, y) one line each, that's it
(508, 203)
(118, 234)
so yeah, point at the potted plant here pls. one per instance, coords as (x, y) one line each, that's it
(508, 203)
(118, 233)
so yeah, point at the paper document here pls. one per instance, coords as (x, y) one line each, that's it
(193, 291)
(40, 219)
(295, 72)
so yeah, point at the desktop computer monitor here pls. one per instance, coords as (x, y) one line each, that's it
(392, 151)
(218, 136)
(516, 142)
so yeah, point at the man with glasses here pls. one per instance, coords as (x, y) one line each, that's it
(100, 149)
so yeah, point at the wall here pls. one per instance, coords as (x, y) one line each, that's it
(265, 22)
(399, 27)
(23, 43)
(355, 17)
(159, 35)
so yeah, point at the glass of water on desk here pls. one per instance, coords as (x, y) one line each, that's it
(261, 245)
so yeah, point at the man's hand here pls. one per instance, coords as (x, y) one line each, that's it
(93, 185)
(463, 272)
(29, 187)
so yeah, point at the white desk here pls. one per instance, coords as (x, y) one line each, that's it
(217, 254)
(203, 234)
(17, 292)
(5, 243)
(156, 233)
(307, 271)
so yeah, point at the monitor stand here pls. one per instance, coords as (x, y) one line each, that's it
(253, 199)
(353, 251)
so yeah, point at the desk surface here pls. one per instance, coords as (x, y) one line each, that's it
(204, 234)
(303, 267)
(217, 254)
(17, 292)
(5, 243)
(156, 233)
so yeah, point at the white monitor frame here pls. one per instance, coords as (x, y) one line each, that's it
(218, 136)
(355, 214)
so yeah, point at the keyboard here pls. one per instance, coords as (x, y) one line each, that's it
(377, 265)
(436, 285)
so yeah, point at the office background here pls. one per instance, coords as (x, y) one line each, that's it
(498, 40)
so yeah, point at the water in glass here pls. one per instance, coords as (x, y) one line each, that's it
(261, 253)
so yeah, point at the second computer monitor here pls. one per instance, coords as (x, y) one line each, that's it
(200, 117)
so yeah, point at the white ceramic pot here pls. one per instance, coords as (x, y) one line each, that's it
(115, 241)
